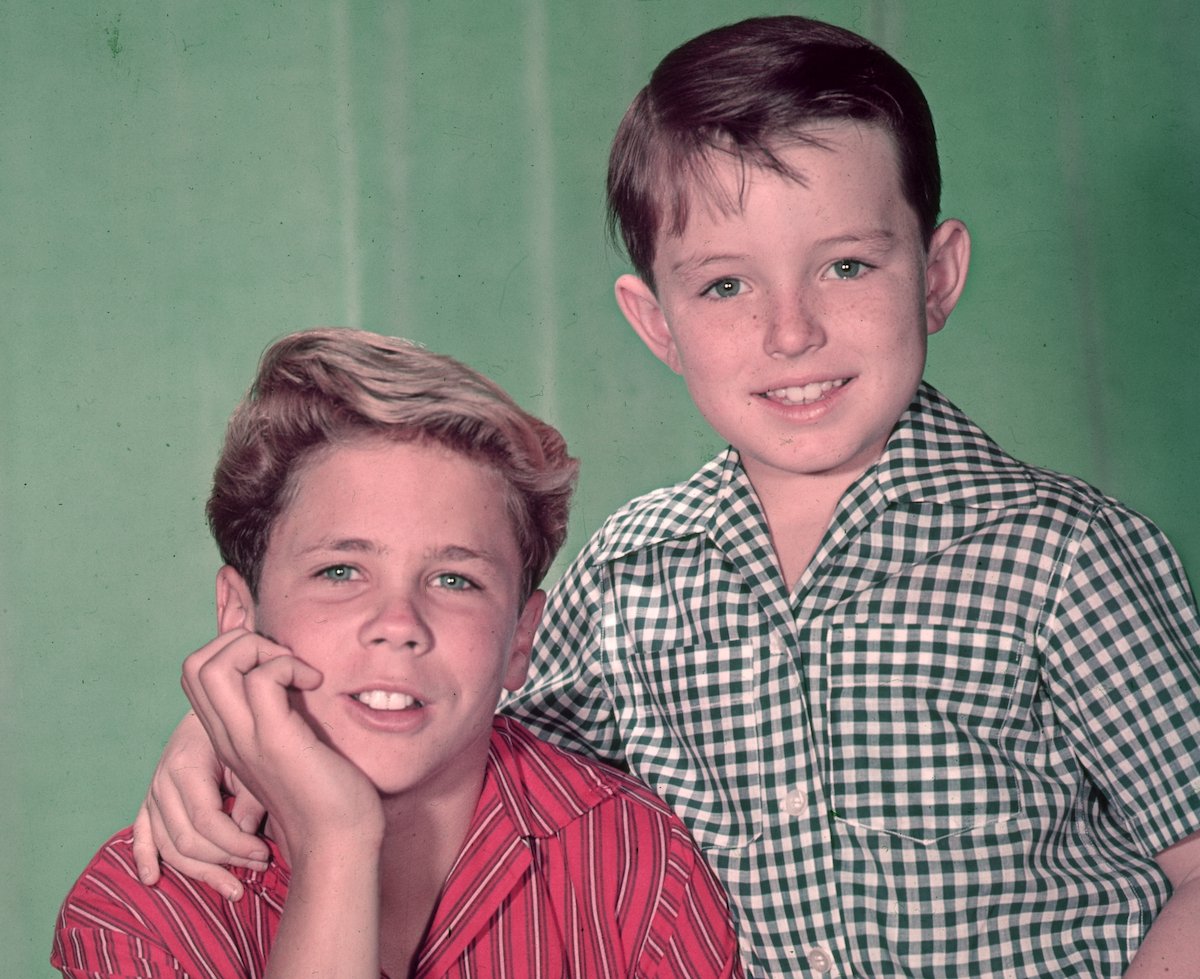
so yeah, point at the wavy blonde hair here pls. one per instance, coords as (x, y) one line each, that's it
(327, 387)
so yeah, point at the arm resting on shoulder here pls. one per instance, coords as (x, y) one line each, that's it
(182, 819)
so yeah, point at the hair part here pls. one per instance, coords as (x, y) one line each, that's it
(319, 389)
(744, 90)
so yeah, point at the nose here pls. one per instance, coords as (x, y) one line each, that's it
(793, 328)
(396, 621)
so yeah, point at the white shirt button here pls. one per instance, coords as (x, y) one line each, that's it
(795, 803)
(820, 960)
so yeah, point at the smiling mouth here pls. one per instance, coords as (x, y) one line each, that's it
(803, 394)
(386, 700)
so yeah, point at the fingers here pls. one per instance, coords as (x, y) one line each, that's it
(264, 691)
(213, 873)
(241, 686)
(145, 853)
(238, 685)
(151, 836)
(187, 780)
(187, 817)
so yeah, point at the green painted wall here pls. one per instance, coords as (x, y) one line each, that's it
(180, 183)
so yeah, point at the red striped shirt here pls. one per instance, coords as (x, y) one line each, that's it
(569, 869)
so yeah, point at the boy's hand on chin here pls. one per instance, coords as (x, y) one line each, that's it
(241, 686)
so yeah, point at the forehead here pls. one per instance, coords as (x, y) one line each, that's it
(716, 180)
(411, 492)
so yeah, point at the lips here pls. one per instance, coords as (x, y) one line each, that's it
(386, 700)
(803, 394)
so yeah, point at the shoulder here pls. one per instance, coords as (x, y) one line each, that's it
(108, 893)
(665, 513)
(582, 810)
(110, 915)
(939, 454)
(625, 858)
(551, 787)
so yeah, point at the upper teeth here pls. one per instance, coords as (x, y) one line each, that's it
(804, 393)
(385, 700)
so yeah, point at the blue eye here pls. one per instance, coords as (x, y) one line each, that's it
(454, 582)
(847, 268)
(724, 288)
(337, 572)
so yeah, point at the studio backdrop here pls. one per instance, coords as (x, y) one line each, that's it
(180, 183)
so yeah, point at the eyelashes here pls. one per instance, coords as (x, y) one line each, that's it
(844, 269)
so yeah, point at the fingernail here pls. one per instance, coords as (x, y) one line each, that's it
(234, 892)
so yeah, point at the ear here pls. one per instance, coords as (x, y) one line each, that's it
(945, 272)
(235, 604)
(527, 627)
(645, 315)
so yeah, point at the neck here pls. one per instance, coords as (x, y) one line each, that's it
(799, 510)
(421, 844)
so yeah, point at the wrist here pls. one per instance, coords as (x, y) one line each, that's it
(345, 857)
(330, 847)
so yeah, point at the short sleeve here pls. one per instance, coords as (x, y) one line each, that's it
(1123, 664)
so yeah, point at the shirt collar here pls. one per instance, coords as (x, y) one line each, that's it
(531, 789)
(934, 455)
(541, 787)
(938, 455)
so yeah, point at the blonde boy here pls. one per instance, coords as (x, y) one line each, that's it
(385, 515)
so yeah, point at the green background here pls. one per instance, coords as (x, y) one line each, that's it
(182, 182)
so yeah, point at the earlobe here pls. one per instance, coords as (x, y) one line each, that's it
(235, 604)
(945, 272)
(523, 636)
(644, 313)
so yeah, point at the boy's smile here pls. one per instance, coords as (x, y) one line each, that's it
(395, 572)
(799, 318)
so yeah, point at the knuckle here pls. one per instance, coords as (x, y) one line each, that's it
(189, 843)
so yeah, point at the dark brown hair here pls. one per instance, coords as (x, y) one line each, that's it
(742, 89)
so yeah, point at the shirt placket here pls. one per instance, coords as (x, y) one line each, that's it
(800, 659)
(795, 848)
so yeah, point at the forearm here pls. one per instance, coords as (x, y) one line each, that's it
(1171, 948)
(330, 923)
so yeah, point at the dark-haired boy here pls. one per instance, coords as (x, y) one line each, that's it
(930, 711)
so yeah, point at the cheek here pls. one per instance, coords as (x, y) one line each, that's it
(707, 356)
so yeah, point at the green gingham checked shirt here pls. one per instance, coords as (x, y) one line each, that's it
(950, 751)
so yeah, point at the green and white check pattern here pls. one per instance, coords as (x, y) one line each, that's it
(951, 751)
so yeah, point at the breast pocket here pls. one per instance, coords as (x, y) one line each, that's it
(689, 720)
(916, 727)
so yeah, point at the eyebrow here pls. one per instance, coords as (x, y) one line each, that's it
(873, 236)
(359, 545)
(363, 545)
(698, 262)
